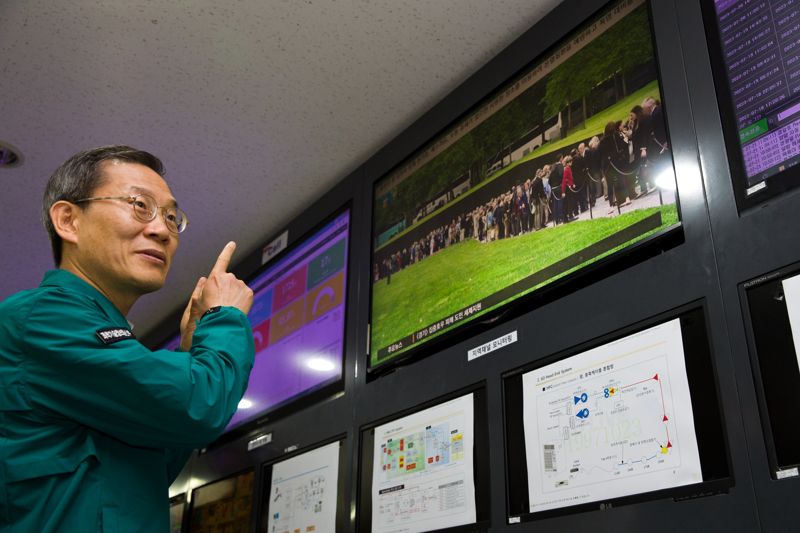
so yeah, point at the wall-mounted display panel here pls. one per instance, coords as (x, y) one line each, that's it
(562, 167)
(426, 470)
(772, 310)
(755, 55)
(298, 319)
(636, 416)
(177, 509)
(305, 492)
(224, 505)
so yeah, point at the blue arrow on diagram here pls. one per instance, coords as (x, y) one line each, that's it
(583, 413)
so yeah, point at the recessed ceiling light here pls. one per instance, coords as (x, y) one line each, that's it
(10, 157)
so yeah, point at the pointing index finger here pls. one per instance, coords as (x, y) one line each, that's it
(224, 259)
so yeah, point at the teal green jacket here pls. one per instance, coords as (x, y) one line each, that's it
(94, 426)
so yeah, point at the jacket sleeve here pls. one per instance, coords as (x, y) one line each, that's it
(144, 398)
(176, 459)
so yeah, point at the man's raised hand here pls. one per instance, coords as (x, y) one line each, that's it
(221, 288)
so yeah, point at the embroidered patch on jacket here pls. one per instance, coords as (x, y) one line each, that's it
(112, 335)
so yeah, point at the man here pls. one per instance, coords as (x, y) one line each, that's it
(500, 217)
(657, 147)
(525, 198)
(594, 165)
(581, 177)
(94, 426)
(538, 200)
(559, 192)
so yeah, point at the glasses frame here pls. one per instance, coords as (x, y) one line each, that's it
(131, 200)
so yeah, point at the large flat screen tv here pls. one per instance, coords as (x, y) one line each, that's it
(755, 58)
(223, 505)
(632, 416)
(563, 166)
(426, 469)
(772, 310)
(298, 320)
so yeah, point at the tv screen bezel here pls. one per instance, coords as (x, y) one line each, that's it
(480, 460)
(777, 275)
(780, 183)
(513, 429)
(180, 499)
(599, 269)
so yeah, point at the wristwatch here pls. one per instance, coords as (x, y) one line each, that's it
(211, 311)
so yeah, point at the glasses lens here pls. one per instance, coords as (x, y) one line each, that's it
(176, 220)
(144, 207)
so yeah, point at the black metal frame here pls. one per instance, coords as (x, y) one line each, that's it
(778, 184)
(512, 387)
(530, 299)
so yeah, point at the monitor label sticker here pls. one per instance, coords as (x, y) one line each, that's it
(258, 442)
(489, 347)
(275, 247)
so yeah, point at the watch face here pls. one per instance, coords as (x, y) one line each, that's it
(211, 310)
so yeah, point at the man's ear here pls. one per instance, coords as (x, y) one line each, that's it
(64, 216)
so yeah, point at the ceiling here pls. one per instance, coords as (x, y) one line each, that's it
(256, 107)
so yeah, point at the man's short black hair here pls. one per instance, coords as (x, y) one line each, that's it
(80, 175)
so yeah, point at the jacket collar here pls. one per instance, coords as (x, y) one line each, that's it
(67, 280)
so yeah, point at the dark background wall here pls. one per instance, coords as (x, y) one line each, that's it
(722, 248)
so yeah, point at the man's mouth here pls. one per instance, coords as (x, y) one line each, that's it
(155, 256)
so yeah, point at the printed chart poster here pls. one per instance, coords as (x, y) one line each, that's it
(302, 495)
(791, 291)
(610, 422)
(422, 471)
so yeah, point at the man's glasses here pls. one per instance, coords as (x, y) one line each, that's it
(145, 209)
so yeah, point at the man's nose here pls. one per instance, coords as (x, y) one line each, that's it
(158, 227)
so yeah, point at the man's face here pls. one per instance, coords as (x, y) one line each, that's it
(118, 252)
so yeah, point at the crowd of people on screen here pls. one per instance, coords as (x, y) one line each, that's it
(611, 166)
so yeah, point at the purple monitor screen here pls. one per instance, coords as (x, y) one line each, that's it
(760, 43)
(298, 323)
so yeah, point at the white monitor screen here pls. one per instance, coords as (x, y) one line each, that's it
(423, 476)
(791, 290)
(610, 422)
(303, 492)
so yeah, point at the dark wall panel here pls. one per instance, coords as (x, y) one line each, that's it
(720, 249)
(746, 245)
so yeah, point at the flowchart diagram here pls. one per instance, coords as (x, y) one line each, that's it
(415, 452)
(303, 492)
(613, 421)
(422, 474)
